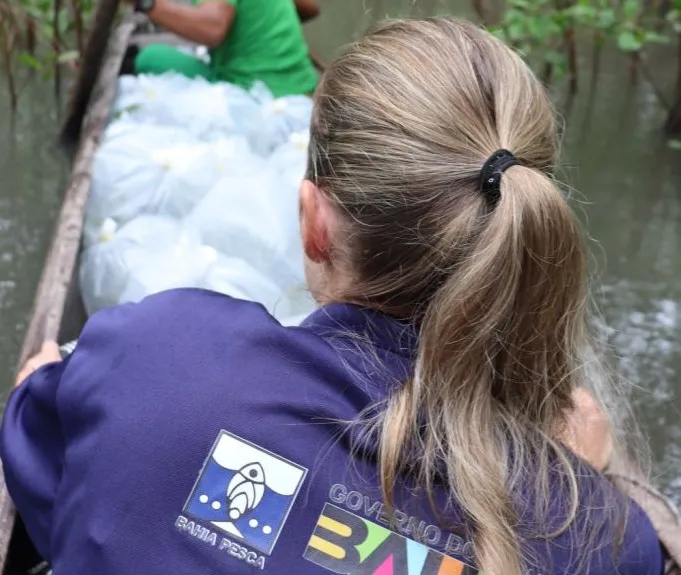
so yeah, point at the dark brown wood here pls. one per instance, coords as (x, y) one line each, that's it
(673, 124)
(6, 53)
(91, 62)
(77, 13)
(56, 44)
(56, 279)
(484, 11)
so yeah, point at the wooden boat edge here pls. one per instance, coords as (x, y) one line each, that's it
(56, 286)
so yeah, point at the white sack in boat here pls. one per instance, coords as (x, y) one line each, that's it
(235, 277)
(290, 159)
(135, 95)
(142, 169)
(107, 265)
(254, 217)
(205, 110)
(280, 117)
(179, 265)
(180, 148)
(235, 157)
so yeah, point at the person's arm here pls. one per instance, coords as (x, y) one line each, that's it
(307, 9)
(207, 24)
(32, 444)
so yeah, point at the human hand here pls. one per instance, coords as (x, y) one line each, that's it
(588, 432)
(49, 353)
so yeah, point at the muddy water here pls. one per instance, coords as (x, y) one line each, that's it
(32, 175)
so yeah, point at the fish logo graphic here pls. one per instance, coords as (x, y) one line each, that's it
(245, 491)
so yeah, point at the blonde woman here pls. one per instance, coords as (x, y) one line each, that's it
(430, 418)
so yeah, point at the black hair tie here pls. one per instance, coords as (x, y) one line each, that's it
(490, 175)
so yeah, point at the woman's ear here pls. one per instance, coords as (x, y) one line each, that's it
(315, 221)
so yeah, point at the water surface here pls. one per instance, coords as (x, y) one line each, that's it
(32, 175)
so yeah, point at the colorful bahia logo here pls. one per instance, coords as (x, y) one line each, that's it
(245, 491)
(344, 543)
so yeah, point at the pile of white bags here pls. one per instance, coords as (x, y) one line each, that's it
(195, 185)
(142, 169)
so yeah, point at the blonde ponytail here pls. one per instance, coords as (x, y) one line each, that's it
(403, 124)
(498, 356)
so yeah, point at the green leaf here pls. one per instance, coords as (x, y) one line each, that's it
(118, 114)
(70, 56)
(674, 144)
(631, 8)
(627, 42)
(498, 32)
(514, 15)
(606, 19)
(555, 57)
(582, 12)
(64, 21)
(534, 29)
(515, 31)
(30, 61)
(655, 38)
(46, 31)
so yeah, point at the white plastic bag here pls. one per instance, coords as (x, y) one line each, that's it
(235, 277)
(299, 304)
(143, 169)
(137, 97)
(184, 148)
(205, 110)
(106, 266)
(255, 218)
(180, 265)
(235, 157)
(199, 107)
(153, 99)
(245, 115)
(280, 118)
(290, 159)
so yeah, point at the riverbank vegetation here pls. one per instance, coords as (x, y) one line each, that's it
(43, 36)
(551, 34)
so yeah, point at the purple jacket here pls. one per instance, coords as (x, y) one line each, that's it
(193, 434)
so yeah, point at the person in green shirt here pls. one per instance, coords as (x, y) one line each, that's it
(249, 40)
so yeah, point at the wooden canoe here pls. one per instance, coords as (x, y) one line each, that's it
(58, 313)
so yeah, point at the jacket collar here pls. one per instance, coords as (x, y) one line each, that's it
(341, 320)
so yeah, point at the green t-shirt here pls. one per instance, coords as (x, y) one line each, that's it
(265, 42)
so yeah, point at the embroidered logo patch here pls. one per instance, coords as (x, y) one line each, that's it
(245, 491)
(344, 543)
